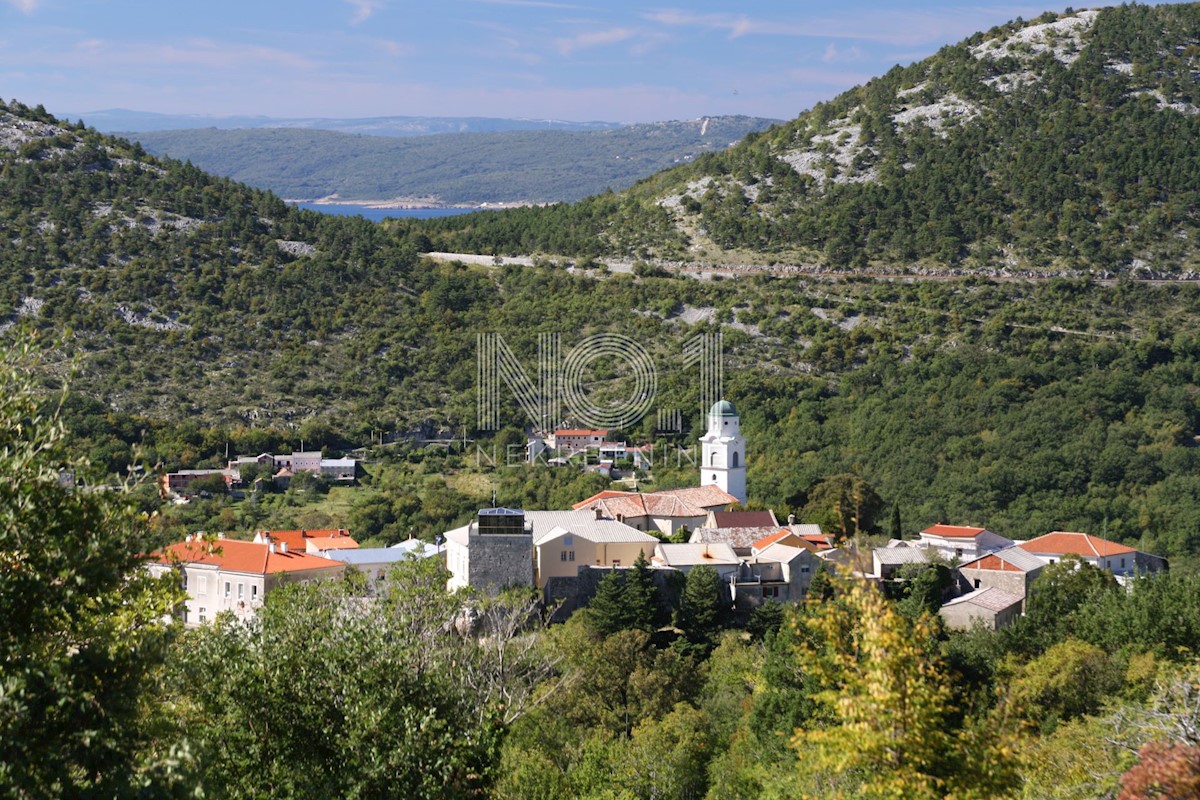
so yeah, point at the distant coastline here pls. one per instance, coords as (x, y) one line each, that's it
(377, 213)
(407, 203)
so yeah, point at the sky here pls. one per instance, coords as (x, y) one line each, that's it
(616, 60)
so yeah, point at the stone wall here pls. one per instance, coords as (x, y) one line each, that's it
(498, 560)
(573, 593)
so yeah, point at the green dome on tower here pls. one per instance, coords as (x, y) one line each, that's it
(723, 408)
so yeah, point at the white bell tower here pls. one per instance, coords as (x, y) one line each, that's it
(724, 452)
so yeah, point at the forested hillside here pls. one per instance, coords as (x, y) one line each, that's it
(200, 312)
(535, 166)
(1065, 144)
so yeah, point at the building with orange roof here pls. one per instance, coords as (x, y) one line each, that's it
(962, 542)
(298, 541)
(1123, 561)
(573, 440)
(228, 575)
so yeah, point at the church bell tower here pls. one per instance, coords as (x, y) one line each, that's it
(724, 452)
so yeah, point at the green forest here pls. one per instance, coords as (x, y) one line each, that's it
(336, 689)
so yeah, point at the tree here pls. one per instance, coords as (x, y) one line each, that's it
(608, 612)
(370, 697)
(641, 595)
(893, 734)
(702, 609)
(897, 531)
(1164, 770)
(83, 630)
(844, 505)
(1070, 679)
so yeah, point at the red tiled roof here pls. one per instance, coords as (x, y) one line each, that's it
(607, 493)
(694, 501)
(953, 531)
(992, 562)
(333, 543)
(820, 540)
(298, 540)
(1079, 544)
(702, 496)
(767, 541)
(579, 432)
(237, 556)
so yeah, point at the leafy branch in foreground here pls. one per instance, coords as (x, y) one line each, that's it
(83, 632)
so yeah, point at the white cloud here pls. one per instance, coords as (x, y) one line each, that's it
(833, 55)
(594, 39)
(215, 56)
(888, 27)
(25, 6)
(363, 9)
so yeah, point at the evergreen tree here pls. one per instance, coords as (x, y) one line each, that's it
(608, 611)
(702, 607)
(897, 528)
(820, 588)
(641, 595)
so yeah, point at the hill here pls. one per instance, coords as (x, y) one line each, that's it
(195, 312)
(1062, 145)
(476, 167)
(113, 120)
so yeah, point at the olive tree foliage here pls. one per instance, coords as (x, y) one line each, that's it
(331, 691)
(82, 628)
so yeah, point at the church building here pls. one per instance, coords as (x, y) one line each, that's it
(724, 452)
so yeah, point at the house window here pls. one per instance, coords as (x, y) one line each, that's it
(1122, 563)
(714, 476)
(562, 556)
(616, 562)
(712, 460)
(1052, 561)
(253, 592)
(568, 541)
(241, 591)
(227, 590)
(185, 580)
(804, 569)
(203, 615)
(770, 591)
(977, 583)
(570, 555)
(735, 460)
(958, 552)
(202, 584)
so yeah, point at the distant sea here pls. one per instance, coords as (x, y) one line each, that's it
(377, 214)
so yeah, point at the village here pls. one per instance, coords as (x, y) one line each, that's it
(564, 554)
